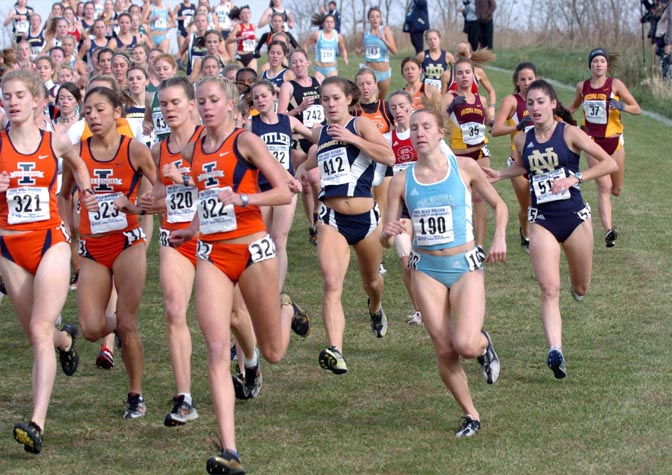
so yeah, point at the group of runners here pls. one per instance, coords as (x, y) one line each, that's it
(220, 154)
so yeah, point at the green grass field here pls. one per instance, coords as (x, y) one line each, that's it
(391, 414)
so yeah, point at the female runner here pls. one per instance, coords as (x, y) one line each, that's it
(513, 118)
(603, 99)
(35, 250)
(435, 62)
(559, 218)
(377, 44)
(328, 45)
(348, 149)
(469, 113)
(112, 243)
(447, 269)
(233, 247)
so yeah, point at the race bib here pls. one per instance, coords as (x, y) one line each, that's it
(164, 236)
(22, 26)
(313, 115)
(181, 203)
(334, 166)
(262, 249)
(161, 23)
(27, 204)
(433, 225)
(433, 82)
(473, 133)
(373, 52)
(474, 259)
(542, 184)
(595, 111)
(400, 167)
(281, 154)
(328, 55)
(107, 218)
(248, 46)
(214, 216)
(160, 126)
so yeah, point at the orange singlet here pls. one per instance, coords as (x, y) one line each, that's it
(214, 171)
(29, 204)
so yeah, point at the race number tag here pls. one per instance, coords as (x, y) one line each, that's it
(433, 225)
(281, 154)
(413, 260)
(22, 26)
(543, 183)
(334, 166)
(248, 46)
(433, 82)
(373, 52)
(161, 23)
(328, 55)
(214, 216)
(27, 204)
(596, 111)
(107, 218)
(313, 115)
(400, 167)
(262, 249)
(181, 203)
(164, 235)
(474, 259)
(473, 133)
(160, 126)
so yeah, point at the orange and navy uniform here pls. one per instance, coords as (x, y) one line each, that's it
(467, 128)
(518, 115)
(602, 122)
(29, 204)
(106, 233)
(417, 97)
(181, 201)
(378, 112)
(212, 172)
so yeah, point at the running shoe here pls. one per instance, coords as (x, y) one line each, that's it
(30, 435)
(332, 359)
(379, 322)
(556, 361)
(312, 235)
(468, 427)
(524, 242)
(610, 237)
(253, 381)
(74, 281)
(135, 407)
(234, 351)
(575, 296)
(300, 320)
(105, 358)
(489, 361)
(415, 319)
(69, 359)
(226, 462)
(381, 269)
(182, 413)
(239, 385)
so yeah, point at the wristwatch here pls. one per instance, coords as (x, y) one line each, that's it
(579, 176)
(244, 199)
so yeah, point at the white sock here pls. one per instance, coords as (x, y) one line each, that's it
(253, 362)
(187, 398)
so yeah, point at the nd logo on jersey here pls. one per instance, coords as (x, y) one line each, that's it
(542, 162)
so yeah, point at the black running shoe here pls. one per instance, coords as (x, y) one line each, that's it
(524, 242)
(489, 361)
(239, 385)
(556, 362)
(182, 413)
(135, 406)
(468, 427)
(253, 381)
(300, 320)
(69, 359)
(30, 435)
(610, 237)
(226, 462)
(312, 235)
